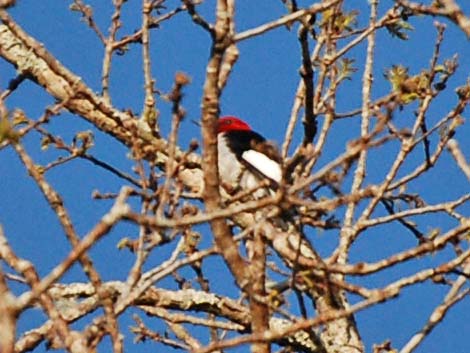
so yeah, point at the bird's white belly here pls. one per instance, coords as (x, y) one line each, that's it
(229, 167)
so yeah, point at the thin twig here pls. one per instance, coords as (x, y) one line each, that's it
(360, 172)
(287, 19)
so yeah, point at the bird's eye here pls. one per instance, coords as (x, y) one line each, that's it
(228, 122)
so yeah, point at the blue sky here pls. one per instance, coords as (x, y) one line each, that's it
(261, 90)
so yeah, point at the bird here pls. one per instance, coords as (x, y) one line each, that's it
(246, 158)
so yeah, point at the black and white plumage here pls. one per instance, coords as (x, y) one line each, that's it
(245, 157)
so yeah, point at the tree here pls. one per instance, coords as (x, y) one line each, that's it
(372, 212)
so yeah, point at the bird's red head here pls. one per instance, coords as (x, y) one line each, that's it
(231, 123)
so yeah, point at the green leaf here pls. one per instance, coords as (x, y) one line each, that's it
(398, 29)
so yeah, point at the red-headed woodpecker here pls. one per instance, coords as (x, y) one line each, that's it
(245, 157)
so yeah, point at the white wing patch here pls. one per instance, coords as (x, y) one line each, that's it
(263, 164)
